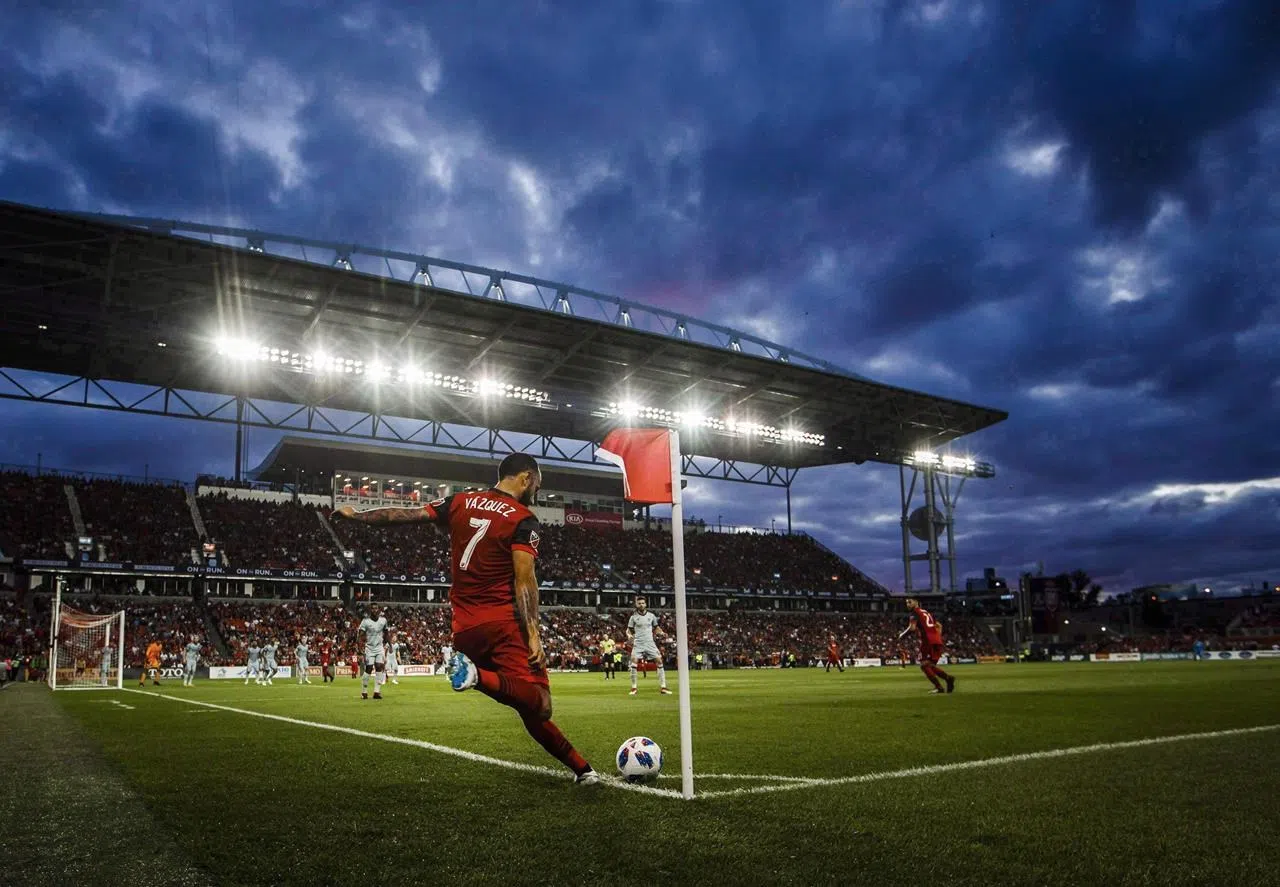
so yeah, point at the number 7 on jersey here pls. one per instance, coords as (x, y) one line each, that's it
(481, 525)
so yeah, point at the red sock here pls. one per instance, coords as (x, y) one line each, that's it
(548, 735)
(523, 696)
(929, 673)
(940, 673)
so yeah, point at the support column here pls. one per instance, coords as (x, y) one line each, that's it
(906, 532)
(931, 513)
(239, 436)
(788, 508)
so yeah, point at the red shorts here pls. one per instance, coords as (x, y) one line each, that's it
(930, 653)
(833, 660)
(500, 647)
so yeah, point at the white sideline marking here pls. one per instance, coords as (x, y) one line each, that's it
(418, 743)
(987, 762)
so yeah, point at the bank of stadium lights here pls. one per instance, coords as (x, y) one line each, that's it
(377, 372)
(628, 410)
(947, 464)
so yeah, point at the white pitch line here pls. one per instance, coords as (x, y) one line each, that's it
(988, 762)
(747, 776)
(417, 743)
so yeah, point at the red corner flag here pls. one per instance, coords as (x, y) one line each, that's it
(644, 455)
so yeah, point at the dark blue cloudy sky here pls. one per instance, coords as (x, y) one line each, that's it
(1069, 210)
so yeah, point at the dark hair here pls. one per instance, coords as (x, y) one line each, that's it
(518, 463)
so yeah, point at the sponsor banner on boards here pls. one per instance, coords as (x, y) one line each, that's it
(230, 672)
(1117, 657)
(990, 660)
(866, 663)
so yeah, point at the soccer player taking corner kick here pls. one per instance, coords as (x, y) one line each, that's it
(494, 595)
(930, 631)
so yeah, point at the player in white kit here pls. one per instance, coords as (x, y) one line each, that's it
(373, 627)
(269, 666)
(192, 656)
(300, 653)
(255, 656)
(640, 630)
(446, 653)
(393, 657)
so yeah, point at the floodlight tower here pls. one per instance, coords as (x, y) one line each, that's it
(933, 475)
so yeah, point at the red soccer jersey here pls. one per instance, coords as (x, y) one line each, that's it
(484, 528)
(926, 626)
(833, 651)
(324, 657)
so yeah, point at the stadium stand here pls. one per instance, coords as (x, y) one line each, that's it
(397, 550)
(138, 522)
(274, 535)
(36, 520)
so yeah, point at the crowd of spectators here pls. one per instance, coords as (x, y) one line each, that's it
(138, 522)
(1260, 620)
(712, 560)
(271, 535)
(35, 521)
(397, 549)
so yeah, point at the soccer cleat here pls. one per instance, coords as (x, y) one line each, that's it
(395, 682)
(633, 692)
(462, 673)
(591, 777)
(951, 685)
(664, 691)
(377, 695)
(936, 691)
(364, 695)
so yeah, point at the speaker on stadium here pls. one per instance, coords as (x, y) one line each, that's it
(918, 523)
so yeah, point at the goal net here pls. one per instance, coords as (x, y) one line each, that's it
(87, 651)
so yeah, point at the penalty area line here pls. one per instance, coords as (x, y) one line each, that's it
(987, 762)
(415, 743)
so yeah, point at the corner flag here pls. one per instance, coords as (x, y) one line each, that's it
(644, 455)
(650, 463)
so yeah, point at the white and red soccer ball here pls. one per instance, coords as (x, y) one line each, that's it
(639, 759)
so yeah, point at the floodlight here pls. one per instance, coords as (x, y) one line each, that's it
(236, 349)
(379, 371)
(488, 388)
(926, 457)
(628, 409)
(693, 418)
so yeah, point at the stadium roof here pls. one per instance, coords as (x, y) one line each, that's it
(322, 458)
(366, 329)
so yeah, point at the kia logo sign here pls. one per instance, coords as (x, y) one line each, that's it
(573, 518)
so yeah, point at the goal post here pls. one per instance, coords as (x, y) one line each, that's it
(87, 649)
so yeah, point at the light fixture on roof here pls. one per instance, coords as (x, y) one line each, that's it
(162, 344)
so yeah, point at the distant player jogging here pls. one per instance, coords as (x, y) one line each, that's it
(300, 654)
(191, 655)
(930, 631)
(254, 668)
(494, 541)
(153, 664)
(833, 655)
(640, 630)
(373, 627)
(269, 667)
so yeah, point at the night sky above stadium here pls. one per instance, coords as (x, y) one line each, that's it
(1067, 210)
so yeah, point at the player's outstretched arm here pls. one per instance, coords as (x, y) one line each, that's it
(526, 594)
(388, 515)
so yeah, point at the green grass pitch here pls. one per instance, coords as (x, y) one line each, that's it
(249, 800)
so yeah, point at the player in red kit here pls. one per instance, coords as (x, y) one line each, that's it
(833, 655)
(930, 632)
(494, 595)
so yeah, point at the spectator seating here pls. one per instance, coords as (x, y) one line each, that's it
(35, 521)
(272, 535)
(138, 522)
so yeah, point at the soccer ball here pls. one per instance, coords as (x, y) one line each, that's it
(639, 759)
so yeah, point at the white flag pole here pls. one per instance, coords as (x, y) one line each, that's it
(682, 621)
